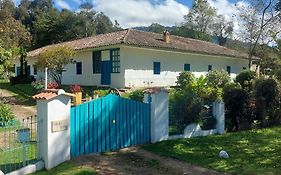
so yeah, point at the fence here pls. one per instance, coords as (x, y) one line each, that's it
(18, 143)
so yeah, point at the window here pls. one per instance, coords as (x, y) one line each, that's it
(210, 67)
(186, 67)
(156, 68)
(115, 59)
(228, 69)
(78, 68)
(18, 71)
(97, 62)
(34, 70)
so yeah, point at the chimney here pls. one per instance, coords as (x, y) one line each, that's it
(166, 36)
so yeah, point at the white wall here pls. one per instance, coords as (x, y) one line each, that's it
(136, 68)
(139, 65)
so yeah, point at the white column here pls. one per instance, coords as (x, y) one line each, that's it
(54, 130)
(159, 115)
(219, 113)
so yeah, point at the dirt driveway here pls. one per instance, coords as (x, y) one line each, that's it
(136, 161)
(19, 109)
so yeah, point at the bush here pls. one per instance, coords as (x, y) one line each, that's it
(137, 95)
(246, 79)
(217, 78)
(53, 85)
(22, 80)
(267, 93)
(185, 80)
(38, 86)
(75, 88)
(6, 114)
(239, 114)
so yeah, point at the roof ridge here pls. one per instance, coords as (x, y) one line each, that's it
(124, 40)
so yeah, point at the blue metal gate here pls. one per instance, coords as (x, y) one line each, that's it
(108, 123)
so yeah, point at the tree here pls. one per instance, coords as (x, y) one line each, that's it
(258, 21)
(191, 33)
(5, 63)
(201, 16)
(103, 24)
(222, 29)
(55, 59)
(156, 28)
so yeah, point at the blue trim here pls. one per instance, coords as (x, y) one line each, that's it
(115, 60)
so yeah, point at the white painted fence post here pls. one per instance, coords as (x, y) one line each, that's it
(219, 113)
(53, 109)
(159, 113)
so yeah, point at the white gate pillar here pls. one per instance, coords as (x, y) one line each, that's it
(53, 110)
(159, 99)
(219, 114)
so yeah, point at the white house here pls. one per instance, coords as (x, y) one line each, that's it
(131, 58)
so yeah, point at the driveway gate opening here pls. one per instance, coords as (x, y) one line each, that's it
(108, 123)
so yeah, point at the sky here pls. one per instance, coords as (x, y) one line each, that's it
(132, 13)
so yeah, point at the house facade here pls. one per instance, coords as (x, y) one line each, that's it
(131, 58)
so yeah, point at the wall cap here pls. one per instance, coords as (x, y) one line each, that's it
(51, 93)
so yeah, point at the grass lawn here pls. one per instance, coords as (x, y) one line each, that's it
(256, 152)
(68, 168)
(22, 92)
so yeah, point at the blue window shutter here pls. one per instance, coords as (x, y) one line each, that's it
(186, 67)
(210, 67)
(228, 69)
(78, 68)
(156, 68)
(18, 71)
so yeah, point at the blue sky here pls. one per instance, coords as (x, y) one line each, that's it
(131, 13)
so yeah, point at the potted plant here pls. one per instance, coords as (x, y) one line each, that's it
(77, 91)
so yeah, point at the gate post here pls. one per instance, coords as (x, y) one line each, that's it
(219, 114)
(159, 114)
(53, 110)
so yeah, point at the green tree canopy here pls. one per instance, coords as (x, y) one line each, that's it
(55, 59)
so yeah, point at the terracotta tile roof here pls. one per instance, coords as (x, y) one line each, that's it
(137, 38)
(50, 93)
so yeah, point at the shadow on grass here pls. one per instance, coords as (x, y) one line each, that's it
(21, 94)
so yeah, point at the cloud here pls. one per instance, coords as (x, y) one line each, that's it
(131, 13)
(63, 4)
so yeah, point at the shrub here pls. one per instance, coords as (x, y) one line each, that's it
(246, 79)
(185, 80)
(75, 88)
(53, 85)
(239, 114)
(6, 114)
(38, 86)
(137, 95)
(22, 80)
(218, 78)
(267, 93)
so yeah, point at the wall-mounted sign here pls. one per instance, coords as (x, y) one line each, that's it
(59, 125)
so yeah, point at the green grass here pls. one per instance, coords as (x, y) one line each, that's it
(68, 168)
(255, 152)
(22, 92)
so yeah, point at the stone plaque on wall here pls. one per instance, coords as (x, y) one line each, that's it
(59, 125)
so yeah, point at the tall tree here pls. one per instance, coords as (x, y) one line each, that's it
(201, 16)
(222, 29)
(103, 24)
(258, 21)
